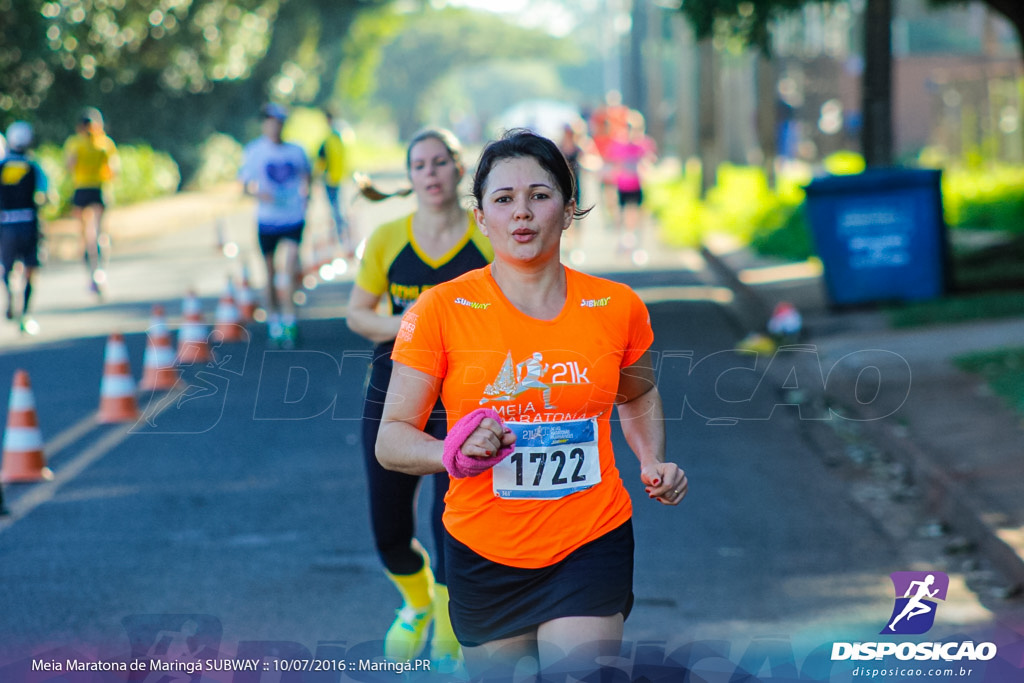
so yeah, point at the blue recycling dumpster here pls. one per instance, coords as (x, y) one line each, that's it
(881, 235)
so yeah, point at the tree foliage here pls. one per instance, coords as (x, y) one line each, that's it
(746, 20)
(431, 44)
(750, 20)
(167, 71)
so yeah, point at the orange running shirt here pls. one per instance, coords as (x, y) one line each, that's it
(556, 380)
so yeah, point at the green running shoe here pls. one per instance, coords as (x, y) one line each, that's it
(408, 634)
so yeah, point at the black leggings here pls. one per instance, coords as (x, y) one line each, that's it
(393, 494)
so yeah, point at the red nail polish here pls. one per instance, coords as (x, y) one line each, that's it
(656, 482)
(487, 452)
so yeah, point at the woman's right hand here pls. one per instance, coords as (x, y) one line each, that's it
(488, 438)
(476, 442)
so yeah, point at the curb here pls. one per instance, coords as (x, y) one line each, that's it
(751, 308)
(948, 500)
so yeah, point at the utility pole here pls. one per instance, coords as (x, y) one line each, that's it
(708, 122)
(635, 92)
(876, 135)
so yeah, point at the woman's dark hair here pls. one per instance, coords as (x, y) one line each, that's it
(520, 142)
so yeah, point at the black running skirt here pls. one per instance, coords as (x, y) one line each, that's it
(491, 601)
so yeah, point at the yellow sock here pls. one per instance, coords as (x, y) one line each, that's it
(417, 589)
(444, 641)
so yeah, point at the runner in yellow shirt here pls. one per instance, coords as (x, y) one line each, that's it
(332, 163)
(91, 158)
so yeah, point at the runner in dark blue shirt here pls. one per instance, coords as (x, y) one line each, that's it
(23, 186)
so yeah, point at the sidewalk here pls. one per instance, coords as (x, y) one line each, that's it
(133, 222)
(963, 447)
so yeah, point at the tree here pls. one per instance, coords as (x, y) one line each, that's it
(167, 71)
(432, 44)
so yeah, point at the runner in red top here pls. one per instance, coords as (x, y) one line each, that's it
(529, 358)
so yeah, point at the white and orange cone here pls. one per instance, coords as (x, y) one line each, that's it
(23, 457)
(160, 370)
(193, 337)
(310, 266)
(246, 299)
(228, 323)
(325, 258)
(117, 389)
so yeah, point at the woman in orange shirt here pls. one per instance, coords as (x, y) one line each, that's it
(529, 358)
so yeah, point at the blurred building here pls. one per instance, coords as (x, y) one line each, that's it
(957, 76)
(958, 84)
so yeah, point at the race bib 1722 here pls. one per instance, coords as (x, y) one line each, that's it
(551, 460)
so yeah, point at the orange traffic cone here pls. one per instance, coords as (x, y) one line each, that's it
(193, 337)
(228, 324)
(23, 458)
(159, 371)
(117, 390)
(246, 299)
(325, 259)
(310, 267)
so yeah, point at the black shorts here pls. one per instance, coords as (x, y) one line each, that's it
(491, 601)
(269, 240)
(631, 197)
(19, 244)
(87, 196)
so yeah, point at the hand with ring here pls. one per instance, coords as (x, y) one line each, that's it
(664, 482)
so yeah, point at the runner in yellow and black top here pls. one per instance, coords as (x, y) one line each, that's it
(332, 163)
(403, 258)
(91, 157)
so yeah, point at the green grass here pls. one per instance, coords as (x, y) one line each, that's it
(741, 204)
(989, 197)
(1002, 369)
(989, 284)
(999, 266)
(958, 308)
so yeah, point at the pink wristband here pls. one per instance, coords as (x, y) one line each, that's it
(456, 462)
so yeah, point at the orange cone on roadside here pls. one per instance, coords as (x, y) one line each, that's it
(228, 324)
(159, 362)
(23, 457)
(117, 389)
(246, 299)
(193, 337)
(310, 268)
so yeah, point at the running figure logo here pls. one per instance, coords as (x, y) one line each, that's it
(515, 378)
(917, 594)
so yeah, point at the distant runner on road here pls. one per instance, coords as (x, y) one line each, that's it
(333, 165)
(23, 187)
(92, 160)
(278, 174)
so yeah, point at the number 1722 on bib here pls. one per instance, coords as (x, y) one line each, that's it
(551, 460)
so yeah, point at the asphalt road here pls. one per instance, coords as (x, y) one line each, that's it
(231, 521)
